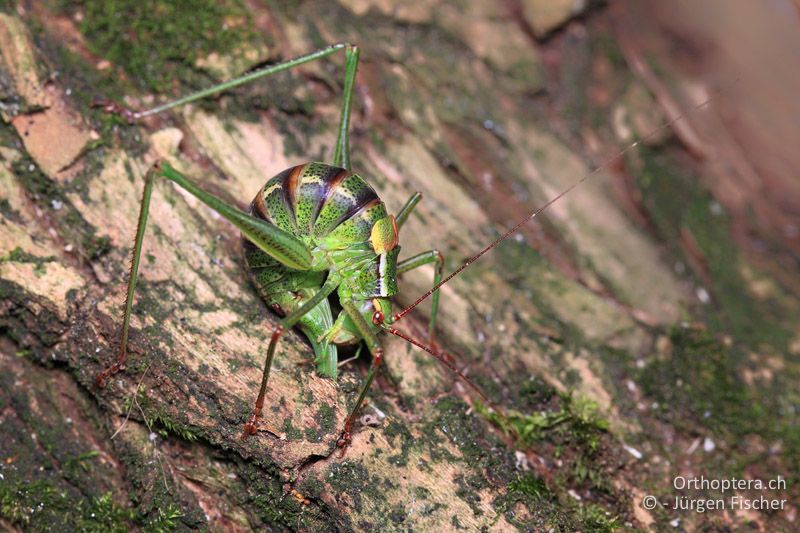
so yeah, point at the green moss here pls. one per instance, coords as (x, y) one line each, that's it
(164, 425)
(165, 519)
(551, 510)
(233, 364)
(597, 519)
(479, 448)
(574, 432)
(573, 427)
(397, 514)
(291, 432)
(355, 480)
(326, 418)
(702, 377)
(468, 492)
(394, 430)
(679, 207)
(155, 418)
(421, 493)
(563, 427)
(8, 212)
(311, 435)
(35, 181)
(529, 486)
(576, 421)
(307, 397)
(102, 514)
(39, 505)
(18, 255)
(156, 42)
(697, 385)
(269, 506)
(96, 246)
(18, 502)
(79, 464)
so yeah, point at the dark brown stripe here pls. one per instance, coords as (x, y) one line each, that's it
(330, 182)
(258, 207)
(365, 203)
(289, 189)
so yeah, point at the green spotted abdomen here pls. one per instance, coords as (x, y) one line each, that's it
(320, 202)
(325, 206)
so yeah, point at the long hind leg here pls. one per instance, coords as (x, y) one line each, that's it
(341, 154)
(282, 246)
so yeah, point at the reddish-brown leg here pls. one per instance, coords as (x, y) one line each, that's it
(346, 438)
(251, 427)
(114, 108)
(376, 350)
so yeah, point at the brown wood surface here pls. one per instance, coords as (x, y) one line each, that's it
(487, 110)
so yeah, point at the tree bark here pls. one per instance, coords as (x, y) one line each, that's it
(566, 325)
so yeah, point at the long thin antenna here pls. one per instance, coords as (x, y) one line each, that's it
(550, 202)
(447, 360)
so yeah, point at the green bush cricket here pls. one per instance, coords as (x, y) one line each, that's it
(311, 230)
(314, 230)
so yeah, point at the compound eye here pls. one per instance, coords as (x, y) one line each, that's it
(384, 235)
(377, 316)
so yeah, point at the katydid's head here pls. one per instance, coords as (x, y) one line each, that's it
(380, 281)
(384, 239)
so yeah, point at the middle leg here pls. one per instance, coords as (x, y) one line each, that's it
(425, 258)
(250, 428)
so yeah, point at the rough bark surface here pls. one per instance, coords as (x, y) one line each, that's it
(625, 328)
